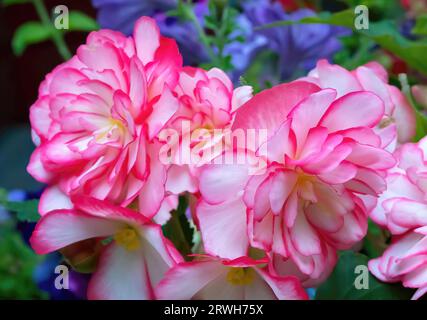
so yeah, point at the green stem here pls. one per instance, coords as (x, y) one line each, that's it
(179, 233)
(57, 36)
(202, 35)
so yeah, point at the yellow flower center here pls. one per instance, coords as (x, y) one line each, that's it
(113, 123)
(128, 237)
(240, 276)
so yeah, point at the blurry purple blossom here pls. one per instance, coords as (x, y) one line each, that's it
(185, 34)
(298, 46)
(243, 53)
(121, 15)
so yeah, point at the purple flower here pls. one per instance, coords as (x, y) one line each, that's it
(243, 53)
(298, 46)
(121, 15)
(185, 34)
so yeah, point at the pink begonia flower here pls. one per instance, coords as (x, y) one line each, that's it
(213, 278)
(195, 134)
(325, 169)
(402, 208)
(98, 114)
(130, 266)
(398, 124)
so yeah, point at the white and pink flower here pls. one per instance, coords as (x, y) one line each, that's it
(130, 266)
(212, 278)
(398, 123)
(326, 166)
(196, 133)
(402, 209)
(98, 114)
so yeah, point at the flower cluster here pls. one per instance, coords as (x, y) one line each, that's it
(278, 182)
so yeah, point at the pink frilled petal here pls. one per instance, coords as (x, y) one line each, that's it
(222, 76)
(36, 168)
(378, 69)
(284, 288)
(334, 76)
(241, 95)
(408, 213)
(60, 228)
(153, 191)
(147, 39)
(185, 280)
(99, 57)
(373, 158)
(180, 179)
(321, 267)
(220, 182)
(106, 210)
(304, 236)
(164, 214)
(268, 109)
(40, 117)
(371, 82)
(275, 148)
(163, 110)
(53, 199)
(356, 109)
(223, 228)
(309, 112)
(404, 116)
(138, 87)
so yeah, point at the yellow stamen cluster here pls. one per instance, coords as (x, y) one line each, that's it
(240, 276)
(128, 237)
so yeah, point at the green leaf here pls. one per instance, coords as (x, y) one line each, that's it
(343, 18)
(17, 265)
(340, 284)
(25, 210)
(375, 242)
(11, 2)
(179, 230)
(387, 35)
(421, 125)
(420, 27)
(29, 33)
(79, 21)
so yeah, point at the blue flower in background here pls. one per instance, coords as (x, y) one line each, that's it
(298, 46)
(185, 34)
(242, 54)
(121, 15)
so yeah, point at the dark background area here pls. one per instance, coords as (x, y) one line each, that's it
(19, 81)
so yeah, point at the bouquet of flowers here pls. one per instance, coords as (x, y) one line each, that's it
(254, 161)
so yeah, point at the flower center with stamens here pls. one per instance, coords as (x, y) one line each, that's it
(240, 276)
(128, 237)
(105, 133)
